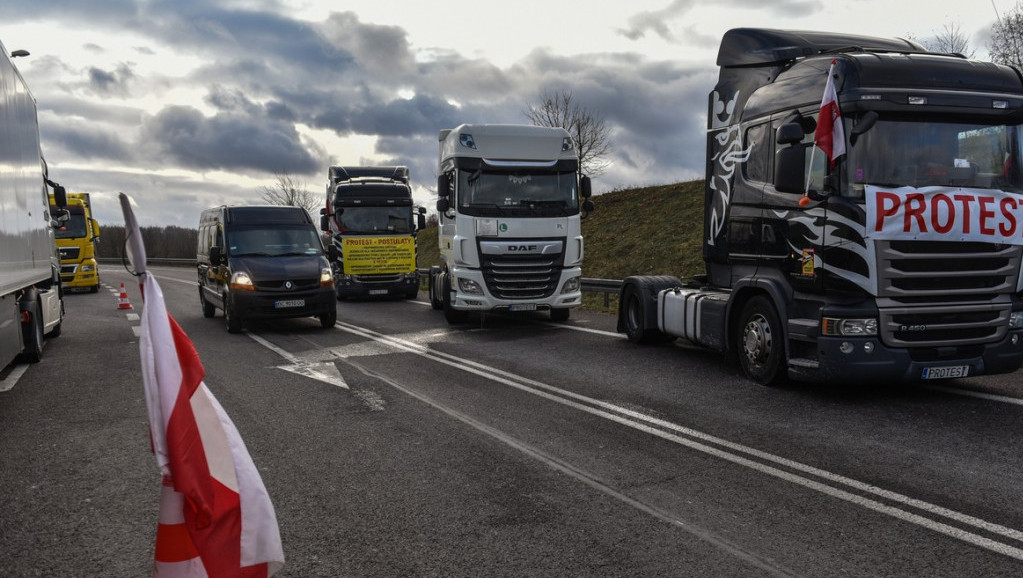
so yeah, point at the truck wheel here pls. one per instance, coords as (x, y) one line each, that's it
(208, 310)
(94, 288)
(432, 285)
(33, 335)
(453, 316)
(634, 304)
(559, 315)
(327, 320)
(760, 341)
(232, 319)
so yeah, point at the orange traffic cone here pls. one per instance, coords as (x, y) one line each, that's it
(122, 301)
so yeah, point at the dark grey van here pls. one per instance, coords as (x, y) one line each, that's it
(264, 262)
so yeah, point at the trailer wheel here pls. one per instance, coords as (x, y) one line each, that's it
(453, 316)
(760, 347)
(32, 332)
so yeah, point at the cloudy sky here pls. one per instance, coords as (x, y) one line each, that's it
(187, 104)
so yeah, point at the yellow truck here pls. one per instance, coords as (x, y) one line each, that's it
(76, 242)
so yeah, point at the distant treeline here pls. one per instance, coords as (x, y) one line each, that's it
(161, 242)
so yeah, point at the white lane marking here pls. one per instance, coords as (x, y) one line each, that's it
(132, 316)
(325, 372)
(12, 378)
(970, 393)
(674, 433)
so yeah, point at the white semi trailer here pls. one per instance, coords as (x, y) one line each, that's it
(31, 302)
(510, 237)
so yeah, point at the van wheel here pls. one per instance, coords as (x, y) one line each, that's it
(760, 341)
(33, 335)
(327, 320)
(208, 310)
(233, 321)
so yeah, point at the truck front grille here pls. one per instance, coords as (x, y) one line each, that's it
(522, 276)
(936, 294)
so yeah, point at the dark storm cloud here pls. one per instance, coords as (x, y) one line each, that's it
(227, 141)
(115, 83)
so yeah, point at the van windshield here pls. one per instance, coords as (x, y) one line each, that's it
(273, 242)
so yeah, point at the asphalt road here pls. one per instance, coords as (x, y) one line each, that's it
(396, 445)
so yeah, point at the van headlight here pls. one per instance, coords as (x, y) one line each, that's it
(326, 277)
(241, 280)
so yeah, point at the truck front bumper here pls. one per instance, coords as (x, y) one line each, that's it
(866, 360)
(480, 298)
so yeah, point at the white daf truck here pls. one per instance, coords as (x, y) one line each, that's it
(31, 300)
(510, 237)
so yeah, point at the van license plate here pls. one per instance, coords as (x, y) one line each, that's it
(522, 307)
(284, 304)
(946, 372)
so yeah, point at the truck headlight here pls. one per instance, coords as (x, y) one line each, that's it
(1016, 320)
(326, 277)
(849, 327)
(571, 286)
(241, 280)
(86, 268)
(469, 287)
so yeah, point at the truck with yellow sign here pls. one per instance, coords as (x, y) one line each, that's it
(372, 221)
(76, 242)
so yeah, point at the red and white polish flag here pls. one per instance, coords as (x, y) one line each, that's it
(216, 519)
(830, 134)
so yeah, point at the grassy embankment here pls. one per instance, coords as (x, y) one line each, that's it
(648, 231)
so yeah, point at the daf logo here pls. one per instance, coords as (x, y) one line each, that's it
(287, 285)
(522, 247)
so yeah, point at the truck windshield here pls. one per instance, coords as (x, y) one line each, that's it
(517, 193)
(74, 228)
(897, 153)
(273, 242)
(370, 220)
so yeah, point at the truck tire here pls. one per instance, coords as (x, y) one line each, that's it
(32, 334)
(231, 318)
(761, 344)
(634, 304)
(432, 285)
(208, 310)
(559, 315)
(452, 315)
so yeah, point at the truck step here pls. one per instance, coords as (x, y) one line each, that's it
(804, 363)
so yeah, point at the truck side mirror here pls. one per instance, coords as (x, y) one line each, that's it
(59, 195)
(421, 219)
(790, 169)
(443, 186)
(215, 256)
(332, 252)
(585, 187)
(324, 221)
(865, 123)
(790, 133)
(443, 205)
(95, 230)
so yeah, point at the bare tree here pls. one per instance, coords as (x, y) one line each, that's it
(287, 192)
(1007, 38)
(952, 40)
(588, 130)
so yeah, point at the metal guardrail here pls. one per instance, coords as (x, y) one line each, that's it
(605, 286)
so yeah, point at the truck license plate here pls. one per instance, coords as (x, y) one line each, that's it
(283, 304)
(946, 372)
(522, 307)
(378, 291)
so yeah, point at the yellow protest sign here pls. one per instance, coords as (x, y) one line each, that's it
(376, 255)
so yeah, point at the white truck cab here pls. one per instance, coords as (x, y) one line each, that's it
(510, 236)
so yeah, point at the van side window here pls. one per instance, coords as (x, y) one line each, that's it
(758, 166)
